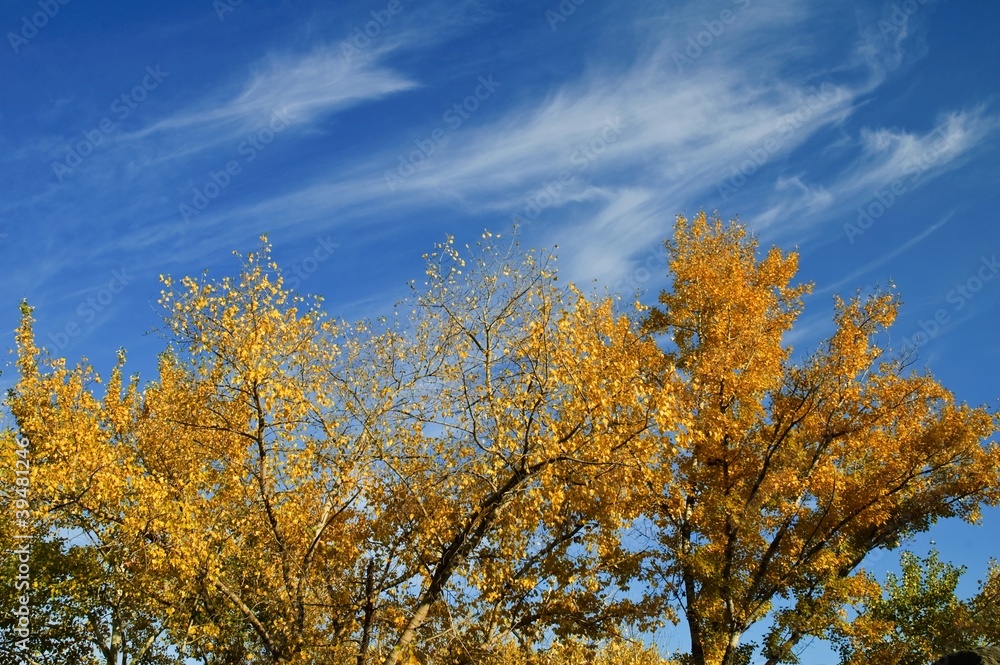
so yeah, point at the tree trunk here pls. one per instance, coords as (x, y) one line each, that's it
(369, 611)
(729, 658)
(411, 631)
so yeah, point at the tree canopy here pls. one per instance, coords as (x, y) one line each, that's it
(502, 470)
(788, 472)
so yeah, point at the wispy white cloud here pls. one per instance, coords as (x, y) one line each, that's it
(890, 154)
(890, 161)
(617, 150)
(592, 145)
(301, 87)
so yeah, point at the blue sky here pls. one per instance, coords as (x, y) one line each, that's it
(138, 139)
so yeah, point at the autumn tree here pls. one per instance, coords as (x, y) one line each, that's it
(444, 483)
(782, 472)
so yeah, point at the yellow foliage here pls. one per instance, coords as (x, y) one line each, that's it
(787, 473)
(502, 461)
